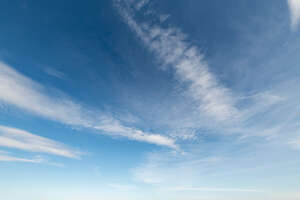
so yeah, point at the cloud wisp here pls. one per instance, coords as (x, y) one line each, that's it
(122, 187)
(205, 189)
(220, 109)
(20, 91)
(295, 143)
(54, 73)
(113, 126)
(294, 6)
(183, 173)
(5, 157)
(23, 140)
(170, 46)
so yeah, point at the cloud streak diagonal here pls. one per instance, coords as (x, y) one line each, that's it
(24, 93)
(6, 157)
(172, 49)
(23, 140)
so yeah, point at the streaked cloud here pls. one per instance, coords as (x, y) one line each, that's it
(204, 189)
(295, 143)
(220, 110)
(22, 92)
(159, 167)
(141, 4)
(170, 46)
(23, 140)
(294, 6)
(113, 127)
(208, 167)
(5, 157)
(55, 73)
(10, 157)
(122, 187)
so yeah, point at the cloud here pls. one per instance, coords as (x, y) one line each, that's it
(220, 110)
(171, 47)
(5, 157)
(295, 143)
(211, 165)
(54, 73)
(294, 6)
(159, 167)
(204, 189)
(122, 187)
(23, 140)
(141, 3)
(114, 127)
(22, 92)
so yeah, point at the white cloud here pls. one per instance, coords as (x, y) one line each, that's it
(5, 158)
(268, 98)
(22, 92)
(122, 187)
(20, 139)
(210, 165)
(141, 3)
(114, 127)
(160, 167)
(295, 143)
(294, 6)
(172, 49)
(54, 73)
(205, 189)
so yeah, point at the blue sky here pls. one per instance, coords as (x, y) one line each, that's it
(148, 99)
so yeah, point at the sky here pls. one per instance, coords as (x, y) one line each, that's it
(149, 99)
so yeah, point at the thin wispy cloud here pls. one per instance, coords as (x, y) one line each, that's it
(232, 113)
(22, 92)
(10, 157)
(26, 141)
(141, 4)
(294, 6)
(205, 189)
(170, 46)
(159, 167)
(114, 127)
(209, 166)
(122, 187)
(55, 73)
(295, 143)
(5, 157)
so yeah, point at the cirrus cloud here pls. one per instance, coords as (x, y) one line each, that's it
(22, 92)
